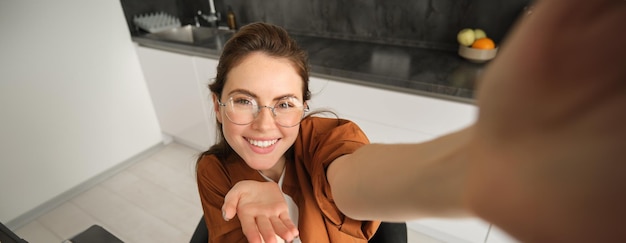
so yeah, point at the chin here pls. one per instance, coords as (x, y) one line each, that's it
(261, 164)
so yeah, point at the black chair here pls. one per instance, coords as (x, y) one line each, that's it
(201, 234)
(95, 234)
(387, 233)
(8, 236)
(390, 233)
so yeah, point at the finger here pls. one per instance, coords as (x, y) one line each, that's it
(265, 228)
(249, 228)
(289, 225)
(281, 229)
(231, 200)
(278, 225)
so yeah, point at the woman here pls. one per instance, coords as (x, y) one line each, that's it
(268, 150)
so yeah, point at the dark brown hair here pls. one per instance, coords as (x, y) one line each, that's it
(256, 37)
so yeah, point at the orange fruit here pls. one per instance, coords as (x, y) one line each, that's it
(484, 43)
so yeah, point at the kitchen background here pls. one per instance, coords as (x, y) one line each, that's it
(77, 110)
(420, 23)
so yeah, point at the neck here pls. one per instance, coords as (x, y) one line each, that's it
(276, 171)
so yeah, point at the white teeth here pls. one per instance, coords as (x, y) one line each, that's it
(262, 144)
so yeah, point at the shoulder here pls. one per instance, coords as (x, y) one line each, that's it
(322, 127)
(324, 121)
(210, 170)
(324, 139)
(208, 163)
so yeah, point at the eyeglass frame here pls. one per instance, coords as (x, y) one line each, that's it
(259, 107)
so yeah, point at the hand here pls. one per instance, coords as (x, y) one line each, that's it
(262, 211)
(550, 141)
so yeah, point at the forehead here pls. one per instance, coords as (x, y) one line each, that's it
(264, 76)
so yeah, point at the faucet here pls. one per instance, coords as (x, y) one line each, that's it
(212, 19)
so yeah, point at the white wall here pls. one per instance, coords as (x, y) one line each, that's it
(73, 101)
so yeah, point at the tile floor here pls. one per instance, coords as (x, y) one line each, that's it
(153, 200)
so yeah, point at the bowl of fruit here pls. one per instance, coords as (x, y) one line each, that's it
(475, 46)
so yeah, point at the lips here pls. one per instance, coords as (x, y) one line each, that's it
(262, 143)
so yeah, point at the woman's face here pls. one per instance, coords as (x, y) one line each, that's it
(262, 143)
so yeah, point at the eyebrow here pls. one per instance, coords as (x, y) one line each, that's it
(251, 94)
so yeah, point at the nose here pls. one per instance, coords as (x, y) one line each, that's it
(265, 118)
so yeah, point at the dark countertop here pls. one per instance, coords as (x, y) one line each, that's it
(427, 72)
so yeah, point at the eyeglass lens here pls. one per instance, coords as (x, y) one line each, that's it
(243, 109)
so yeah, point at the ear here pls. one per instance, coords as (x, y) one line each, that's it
(216, 108)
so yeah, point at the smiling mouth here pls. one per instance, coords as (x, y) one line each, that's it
(262, 143)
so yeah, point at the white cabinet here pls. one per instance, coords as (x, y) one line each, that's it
(394, 117)
(178, 100)
(388, 116)
(206, 70)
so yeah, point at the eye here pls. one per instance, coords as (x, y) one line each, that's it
(243, 101)
(284, 105)
(287, 104)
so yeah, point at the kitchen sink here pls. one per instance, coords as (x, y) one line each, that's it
(194, 35)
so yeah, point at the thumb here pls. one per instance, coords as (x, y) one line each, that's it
(231, 200)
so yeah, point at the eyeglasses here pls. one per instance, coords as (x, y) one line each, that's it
(243, 109)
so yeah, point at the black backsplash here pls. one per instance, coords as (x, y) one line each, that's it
(421, 23)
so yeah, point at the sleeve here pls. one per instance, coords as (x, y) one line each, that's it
(213, 184)
(323, 141)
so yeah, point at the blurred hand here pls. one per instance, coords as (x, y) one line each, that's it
(549, 158)
(262, 211)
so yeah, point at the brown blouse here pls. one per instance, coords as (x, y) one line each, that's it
(320, 142)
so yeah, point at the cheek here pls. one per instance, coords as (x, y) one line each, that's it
(291, 133)
(230, 132)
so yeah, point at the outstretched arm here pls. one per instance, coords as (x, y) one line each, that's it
(399, 182)
(545, 159)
